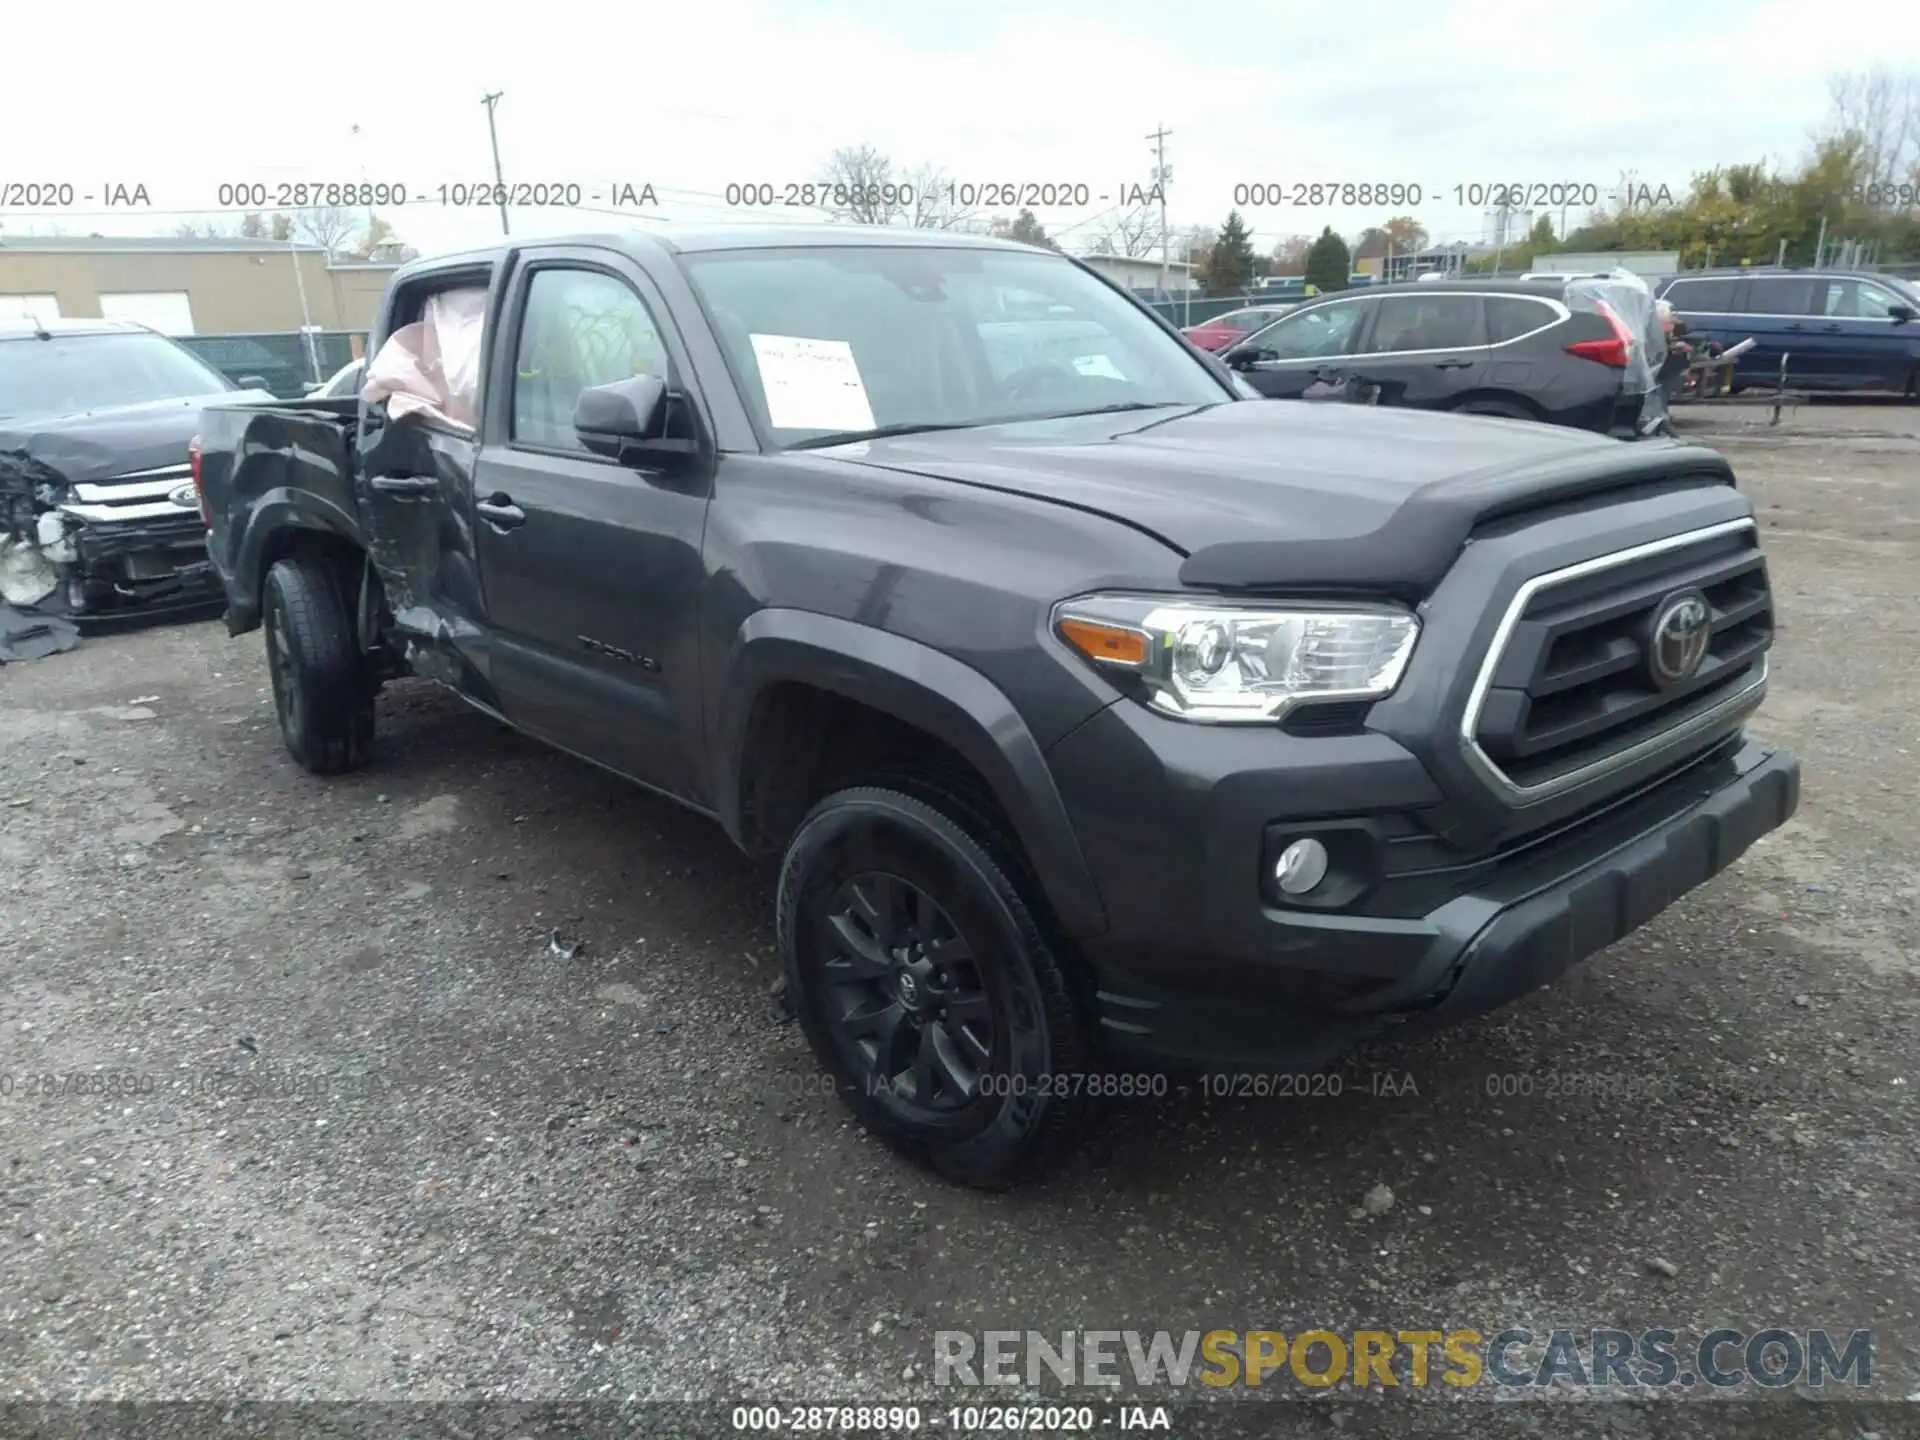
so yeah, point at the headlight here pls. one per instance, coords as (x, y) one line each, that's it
(1236, 663)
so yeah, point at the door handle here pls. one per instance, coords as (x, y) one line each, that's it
(500, 511)
(1834, 329)
(1451, 364)
(1796, 328)
(404, 484)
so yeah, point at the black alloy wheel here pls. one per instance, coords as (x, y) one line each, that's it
(929, 982)
(905, 999)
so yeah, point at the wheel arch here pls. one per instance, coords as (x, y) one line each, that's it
(1489, 396)
(285, 522)
(780, 655)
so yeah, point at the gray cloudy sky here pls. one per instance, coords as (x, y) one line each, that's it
(692, 97)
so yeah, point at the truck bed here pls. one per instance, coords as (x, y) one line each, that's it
(269, 463)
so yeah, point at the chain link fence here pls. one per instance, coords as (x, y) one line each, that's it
(286, 361)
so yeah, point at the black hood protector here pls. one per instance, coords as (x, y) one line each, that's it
(1269, 493)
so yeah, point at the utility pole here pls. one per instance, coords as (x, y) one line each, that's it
(306, 315)
(360, 148)
(1160, 176)
(1820, 248)
(499, 181)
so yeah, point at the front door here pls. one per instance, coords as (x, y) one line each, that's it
(1863, 346)
(592, 567)
(1285, 359)
(414, 485)
(1424, 351)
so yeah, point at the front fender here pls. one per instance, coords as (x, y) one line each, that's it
(931, 691)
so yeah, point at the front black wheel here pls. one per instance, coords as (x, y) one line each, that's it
(927, 987)
(321, 689)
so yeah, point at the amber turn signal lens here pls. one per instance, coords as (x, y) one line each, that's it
(1109, 644)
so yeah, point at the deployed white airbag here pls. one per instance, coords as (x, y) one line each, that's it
(432, 367)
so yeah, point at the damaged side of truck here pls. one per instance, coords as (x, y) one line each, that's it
(366, 481)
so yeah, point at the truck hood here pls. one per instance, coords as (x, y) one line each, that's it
(98, 445)
(1272, 492)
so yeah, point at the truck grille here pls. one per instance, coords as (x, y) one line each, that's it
(1573, 687)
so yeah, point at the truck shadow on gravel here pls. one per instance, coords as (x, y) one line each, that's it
(1575, 1108)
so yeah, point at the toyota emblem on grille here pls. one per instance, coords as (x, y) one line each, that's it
(185, 497)
(1677, 640)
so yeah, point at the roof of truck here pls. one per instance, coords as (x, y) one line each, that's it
(698, 238)
(694, 238)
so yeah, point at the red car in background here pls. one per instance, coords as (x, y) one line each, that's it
(1223, 330)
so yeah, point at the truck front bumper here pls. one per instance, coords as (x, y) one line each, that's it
(1269, 984)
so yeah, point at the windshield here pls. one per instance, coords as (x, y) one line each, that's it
(71, 373)
(845, 340)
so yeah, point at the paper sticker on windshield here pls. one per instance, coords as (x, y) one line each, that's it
(1098, 365)
(811, 384)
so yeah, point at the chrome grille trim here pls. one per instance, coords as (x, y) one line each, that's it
(1746, 699)
(181, 471)
(113, 492)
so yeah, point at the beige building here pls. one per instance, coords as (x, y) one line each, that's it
(1142, 272)
(182, 286)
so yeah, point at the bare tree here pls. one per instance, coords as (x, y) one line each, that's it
(937, 205)
(866, 189)
(1289, 254)
(1882, 107)
(870, 189)
(201, 230)
(378, 240)
(1134, 232)
(328, 226)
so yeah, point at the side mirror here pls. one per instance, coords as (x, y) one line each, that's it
(1245, 357)
(253, 382)
(626, 417)
(1900, 314)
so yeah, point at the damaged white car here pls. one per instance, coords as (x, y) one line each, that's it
(99, 517)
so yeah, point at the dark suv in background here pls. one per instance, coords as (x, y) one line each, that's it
(1483, 347)
(1837, 329)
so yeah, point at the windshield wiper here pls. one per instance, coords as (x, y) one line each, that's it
(1124, 405)
(882, 432)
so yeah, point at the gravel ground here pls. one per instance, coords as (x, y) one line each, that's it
(491, 1171)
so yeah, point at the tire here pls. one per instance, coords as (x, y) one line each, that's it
(1505, 408)
(987, 1050)
(320, 684)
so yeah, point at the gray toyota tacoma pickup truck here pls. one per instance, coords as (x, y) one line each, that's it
(1109, 721)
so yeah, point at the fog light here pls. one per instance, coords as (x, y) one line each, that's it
(1302, 865)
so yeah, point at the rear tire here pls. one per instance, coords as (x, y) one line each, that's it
(928, 988)
(321, 688)
(1507, 409)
